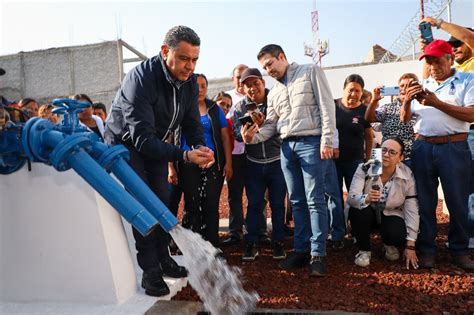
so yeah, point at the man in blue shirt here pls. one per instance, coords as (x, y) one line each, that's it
(443, 108)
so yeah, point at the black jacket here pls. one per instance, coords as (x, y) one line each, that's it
(213, 115)
(149, 106)
(264, 152)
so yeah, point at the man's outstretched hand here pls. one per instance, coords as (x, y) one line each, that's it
(202, 156)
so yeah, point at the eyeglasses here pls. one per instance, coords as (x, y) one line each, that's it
(391, 152)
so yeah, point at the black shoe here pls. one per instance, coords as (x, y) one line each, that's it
(278, 251)
(153, 283)
(337, 245)
(171, 269)
(463, 262)
(264, 240)
(317, 266)
(250, 252)
(231, 240)
(426, 261)
(295, 260)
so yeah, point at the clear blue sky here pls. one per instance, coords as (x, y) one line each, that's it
(231, 32)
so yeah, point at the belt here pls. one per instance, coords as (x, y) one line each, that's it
(297, 138)
(457, 137)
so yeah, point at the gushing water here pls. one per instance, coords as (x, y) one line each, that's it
(217, 284)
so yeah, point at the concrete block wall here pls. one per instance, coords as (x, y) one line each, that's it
(61, 72)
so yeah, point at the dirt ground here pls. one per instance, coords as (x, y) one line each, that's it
(383, 287)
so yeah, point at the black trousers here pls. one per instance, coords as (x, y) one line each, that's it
(201, 208)
(392, 229)
(235, 192)
(151, 249)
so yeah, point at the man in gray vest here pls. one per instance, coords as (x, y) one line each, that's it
(301, 110)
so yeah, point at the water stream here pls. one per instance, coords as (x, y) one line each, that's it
(218, 285)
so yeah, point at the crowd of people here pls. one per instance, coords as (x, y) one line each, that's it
(293, 147)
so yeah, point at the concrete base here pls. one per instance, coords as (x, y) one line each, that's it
(60, 241)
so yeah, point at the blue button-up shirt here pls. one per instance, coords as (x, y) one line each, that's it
(457, 90)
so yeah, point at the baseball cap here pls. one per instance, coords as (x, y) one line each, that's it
(437, 48)
(2, 72)
(454, 42)
(250, 73)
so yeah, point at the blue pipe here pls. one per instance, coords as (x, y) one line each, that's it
(143, 193)
(118, 197)
(111, 159)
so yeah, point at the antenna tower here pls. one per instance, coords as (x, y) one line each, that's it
(319, 48)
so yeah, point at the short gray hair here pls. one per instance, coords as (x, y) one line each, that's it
(181, 33)
(448, 56)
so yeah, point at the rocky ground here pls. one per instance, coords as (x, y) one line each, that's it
(383, 287)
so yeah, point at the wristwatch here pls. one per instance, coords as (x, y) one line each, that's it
(438, 23)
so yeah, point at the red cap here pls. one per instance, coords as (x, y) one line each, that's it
(437, 48)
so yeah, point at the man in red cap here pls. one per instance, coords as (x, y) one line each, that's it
(443, 106)
(462, 41)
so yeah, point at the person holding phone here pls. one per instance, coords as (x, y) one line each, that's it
(461, 40)
(443, 106)
(393, 194)
(263, 170)
(389, 115)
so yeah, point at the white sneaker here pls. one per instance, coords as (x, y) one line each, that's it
(391, 253)
(363, 258)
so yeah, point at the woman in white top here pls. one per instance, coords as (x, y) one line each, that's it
(388, 201)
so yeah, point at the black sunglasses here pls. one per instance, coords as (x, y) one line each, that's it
(456, 44)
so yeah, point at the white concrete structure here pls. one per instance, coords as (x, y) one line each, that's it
(60, 241)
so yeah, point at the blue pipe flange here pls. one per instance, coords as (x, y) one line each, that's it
(31, 139)
(65, 148)
(108, 158)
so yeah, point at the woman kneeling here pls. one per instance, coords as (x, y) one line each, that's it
(388, 201)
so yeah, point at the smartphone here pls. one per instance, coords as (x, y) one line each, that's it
(246, 119)
(376, 155)
(251, 106)
(426, 33)
(413, 83)
(389, 90)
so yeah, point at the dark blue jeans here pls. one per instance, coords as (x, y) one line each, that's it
(471, 197)
(337, 224)
(259, 177)
(449, 162)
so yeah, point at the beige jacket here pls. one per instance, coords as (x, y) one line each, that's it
(402, 200)
(302, 107)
